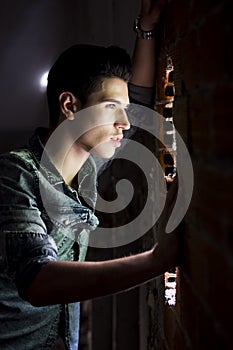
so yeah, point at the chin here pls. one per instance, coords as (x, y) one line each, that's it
(103, 155)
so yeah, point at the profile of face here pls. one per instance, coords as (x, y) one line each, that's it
(106, 118)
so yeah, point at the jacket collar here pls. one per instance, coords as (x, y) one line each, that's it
(87, 174)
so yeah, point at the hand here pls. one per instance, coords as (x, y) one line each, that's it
(150, 13)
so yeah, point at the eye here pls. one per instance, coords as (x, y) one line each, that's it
(110, 106)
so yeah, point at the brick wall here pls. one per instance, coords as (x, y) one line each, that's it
(197, 35)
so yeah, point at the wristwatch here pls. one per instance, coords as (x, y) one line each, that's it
(150, 34)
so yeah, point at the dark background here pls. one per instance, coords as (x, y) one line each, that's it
(32, 35)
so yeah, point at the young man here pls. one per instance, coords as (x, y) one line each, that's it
(43, 275)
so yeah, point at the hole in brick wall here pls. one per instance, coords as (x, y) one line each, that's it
(168, 159)
(169, 90)
(169, 170)
(168, 139)
(167, 153)
(167, 126)
(170, 287)
(169, 162)
(171, 76)
(167, 112)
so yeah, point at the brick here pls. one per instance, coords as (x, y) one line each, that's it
(212, 64)
(189, 317)
(180, 341)
(176, 55)
(200, 111)
(195, 262)
(191, 62)
(209, 270)
(222, 121)
(209, 336)
(227, 39)
(210, 226)
(214, 215)
(169, 325)
(220, 291)
(174, 333)
(197, 12)
(180, 118)
(176, 28)
(216, 198)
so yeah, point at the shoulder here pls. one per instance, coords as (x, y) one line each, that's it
(21, 159)
(17, 168)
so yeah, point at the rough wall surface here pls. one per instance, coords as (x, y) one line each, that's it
(198, 35)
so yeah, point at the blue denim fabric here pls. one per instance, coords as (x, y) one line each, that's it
(35, 230)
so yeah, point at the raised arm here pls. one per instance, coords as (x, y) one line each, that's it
(65, 282)
(144, 55)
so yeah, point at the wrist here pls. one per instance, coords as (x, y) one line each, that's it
(144, 29)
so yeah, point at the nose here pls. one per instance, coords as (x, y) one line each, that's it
(122, 121)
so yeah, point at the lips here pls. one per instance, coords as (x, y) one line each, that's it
(117, 138)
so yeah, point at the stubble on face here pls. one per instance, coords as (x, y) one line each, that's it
(108, 118)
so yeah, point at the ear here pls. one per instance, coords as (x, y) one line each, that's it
(69, 104)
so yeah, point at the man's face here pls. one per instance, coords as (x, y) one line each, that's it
(105, 126)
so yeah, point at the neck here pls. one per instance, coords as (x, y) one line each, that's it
(66, 154)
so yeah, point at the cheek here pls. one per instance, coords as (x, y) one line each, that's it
(97, 135)
(102, 135)
(104, 117)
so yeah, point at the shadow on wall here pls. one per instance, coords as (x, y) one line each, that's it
(11, 139)
(40, 32)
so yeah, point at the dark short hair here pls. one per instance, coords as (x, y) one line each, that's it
(80, 69)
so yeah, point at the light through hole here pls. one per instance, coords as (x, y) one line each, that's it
(167, 155)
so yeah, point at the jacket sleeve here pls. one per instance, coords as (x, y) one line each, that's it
(25, 245)
(144, 96)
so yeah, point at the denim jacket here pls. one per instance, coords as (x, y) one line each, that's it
(35, 231)
(30, 237)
